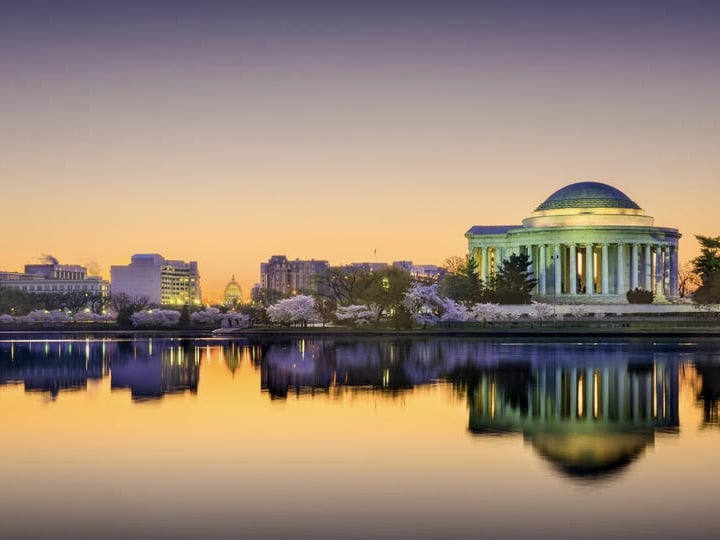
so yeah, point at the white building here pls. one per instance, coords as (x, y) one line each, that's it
(54, 278)
(164, 281)
(588, 242)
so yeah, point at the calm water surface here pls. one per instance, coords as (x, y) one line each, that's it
(446, 438)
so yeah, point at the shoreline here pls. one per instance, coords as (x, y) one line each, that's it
(676, 327)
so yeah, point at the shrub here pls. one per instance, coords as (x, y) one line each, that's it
(640, 296)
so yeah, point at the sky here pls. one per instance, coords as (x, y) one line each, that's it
(228, 132)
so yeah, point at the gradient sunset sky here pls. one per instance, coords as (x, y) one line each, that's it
(227, 132)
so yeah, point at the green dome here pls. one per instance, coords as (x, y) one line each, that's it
(588, 195)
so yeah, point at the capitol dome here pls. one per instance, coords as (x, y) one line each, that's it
(588, 195)
(233, 292)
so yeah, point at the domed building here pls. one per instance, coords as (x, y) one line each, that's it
(233, 293)
(588, 242)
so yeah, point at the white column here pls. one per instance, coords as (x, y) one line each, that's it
(543, 394)
(589, 394)
(634, 267)
(605, 393)
(659, 392)
(674, 271)
(589, 269)
(604, 262)
(667, 289)
(558, 269)
(620, 269)
(573, 270)
(558, 391)
(573, 394)
(531, 259)
(647, 268)
(484, 263)
(659, 289)
(648, 398)
(635, 382)
(542, 267)
(621, 380)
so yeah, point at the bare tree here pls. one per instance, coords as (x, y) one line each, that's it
(455, 264)
(688, 280)
(125, 305)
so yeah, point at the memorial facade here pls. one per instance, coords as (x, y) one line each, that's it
(588, 242)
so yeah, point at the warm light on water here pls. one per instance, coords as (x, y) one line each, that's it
(359, 439)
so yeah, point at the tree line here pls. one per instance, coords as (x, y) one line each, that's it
(347, 293)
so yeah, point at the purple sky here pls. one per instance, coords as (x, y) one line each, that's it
(334, 129)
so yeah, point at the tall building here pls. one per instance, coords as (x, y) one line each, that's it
(291, 277)
(165, 282)
(54, 277)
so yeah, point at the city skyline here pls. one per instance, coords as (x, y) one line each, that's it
(230, 132)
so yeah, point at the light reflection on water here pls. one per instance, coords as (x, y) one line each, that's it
(358, 438)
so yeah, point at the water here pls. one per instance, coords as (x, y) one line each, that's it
(375, 438)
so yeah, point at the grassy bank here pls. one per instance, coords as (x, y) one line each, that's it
(690, 325)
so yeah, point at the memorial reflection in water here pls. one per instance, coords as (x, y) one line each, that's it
(587, 417)
(359, 438)
(589, 408)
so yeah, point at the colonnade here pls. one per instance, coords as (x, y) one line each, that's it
(612, 395)
(591, 268)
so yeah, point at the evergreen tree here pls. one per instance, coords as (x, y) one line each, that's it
(708, 262)
(463, 283)
(514, 281)
(709, 291)
(707, 266)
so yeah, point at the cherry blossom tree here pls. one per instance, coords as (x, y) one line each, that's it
(206, 316)
(88, 316)
(486, 312)
(356, 314)
(155, 317)
(455, 312)
(578, 311)
(298, 309)
(541, 311)
(424, 303)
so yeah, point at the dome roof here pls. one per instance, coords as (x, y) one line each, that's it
(588, 195)
(233, 291)
(591, 455)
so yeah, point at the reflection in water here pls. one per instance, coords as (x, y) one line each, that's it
(52, 366)
(377, 438)
(309, 366)
(587, 414)
(588, 408)
(150, 369)
(709, 392)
